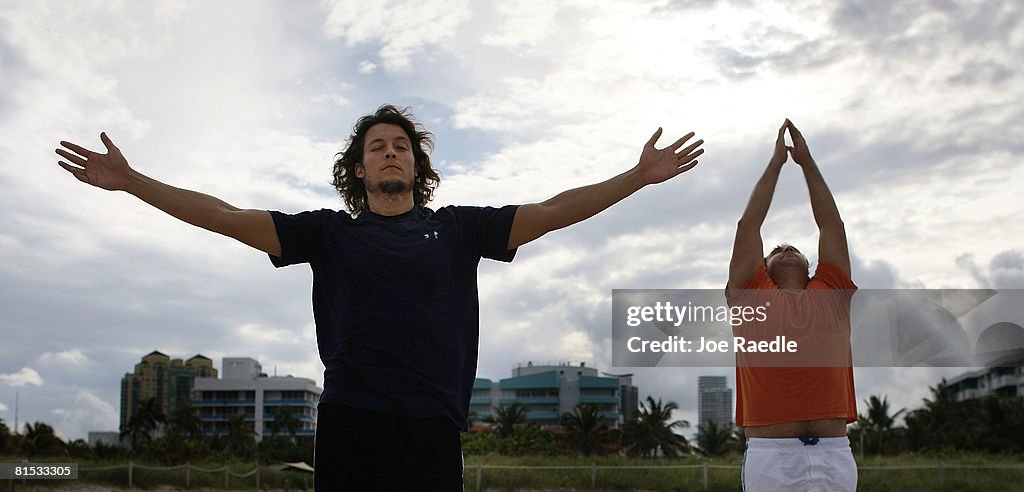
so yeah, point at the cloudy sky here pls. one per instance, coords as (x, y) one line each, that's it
(909, 107)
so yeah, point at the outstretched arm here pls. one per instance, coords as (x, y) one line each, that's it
(748, 248)
(832, 247)
(111, 171)
(569, 207)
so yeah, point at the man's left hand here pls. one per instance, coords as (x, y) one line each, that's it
(657, 165)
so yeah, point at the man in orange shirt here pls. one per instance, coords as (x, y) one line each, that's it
(794, 411)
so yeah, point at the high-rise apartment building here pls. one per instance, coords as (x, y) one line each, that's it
(168, 381)
(714, 400)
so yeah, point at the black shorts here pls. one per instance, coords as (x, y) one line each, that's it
(363, 450)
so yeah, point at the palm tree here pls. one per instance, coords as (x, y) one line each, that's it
(5, 437)
(184, 439)
(240, 436)
(936, 423)
(714, 439)
(653, 430)
(41, 440)
(507, 418)
(284, 420)
(185, 421)
(143, 422)
(587, 430)
(877, 421)
(79, 449)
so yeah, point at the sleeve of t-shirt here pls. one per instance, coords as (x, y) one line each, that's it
(833, 277)
(299, 235)
(759, 280)
(490, 228)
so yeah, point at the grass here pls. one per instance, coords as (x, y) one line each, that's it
(960, 471)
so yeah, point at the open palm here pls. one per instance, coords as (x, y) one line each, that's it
(108, 171)
(657, 165)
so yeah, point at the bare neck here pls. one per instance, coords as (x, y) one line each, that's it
(790, 278)
(388, 204)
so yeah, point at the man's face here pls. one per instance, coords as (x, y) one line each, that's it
(786, 256)
(388, 164)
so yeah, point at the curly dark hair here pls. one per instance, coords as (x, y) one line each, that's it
(353, 190)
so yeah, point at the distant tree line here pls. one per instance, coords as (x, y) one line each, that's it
(652, 433)
(171, 439)
(987, 424)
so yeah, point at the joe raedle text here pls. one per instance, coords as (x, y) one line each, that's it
(682, 345)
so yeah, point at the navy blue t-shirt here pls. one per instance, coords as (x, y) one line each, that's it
(395, 302)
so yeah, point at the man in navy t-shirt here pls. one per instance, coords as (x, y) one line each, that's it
(394, 288)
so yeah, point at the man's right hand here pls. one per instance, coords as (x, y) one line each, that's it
(109, 171)
(801, 154)
(780, 153)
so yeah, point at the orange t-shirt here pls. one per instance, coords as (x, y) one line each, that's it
(768, 393)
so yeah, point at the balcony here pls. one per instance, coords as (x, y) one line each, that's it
(599, 400)
(531, 400)
(294, 403)
(223, 403)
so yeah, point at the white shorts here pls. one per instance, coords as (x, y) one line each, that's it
(789, 465)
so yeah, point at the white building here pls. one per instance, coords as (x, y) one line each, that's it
(549, 390)
(1003, 382)
(245, 389)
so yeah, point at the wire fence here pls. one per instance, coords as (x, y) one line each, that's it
(939, 468)
(705, 467)
(242, 477)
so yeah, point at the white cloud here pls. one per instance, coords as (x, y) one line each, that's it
(336, 99)
(168, 11)
(25, 376)
(260, 334)
(404, 28)
(525, 23)
(71, 357)
(89, 413)
(367, 67)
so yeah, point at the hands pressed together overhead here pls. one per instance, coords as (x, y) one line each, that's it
(801, 154)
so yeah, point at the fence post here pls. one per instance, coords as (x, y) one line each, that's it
(593, 475)
(129, 474)
(479, 476)
(705, 475)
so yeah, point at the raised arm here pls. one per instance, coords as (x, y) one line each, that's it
(748, 247)
(111, 171)
(569, 207)
(832, 247)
